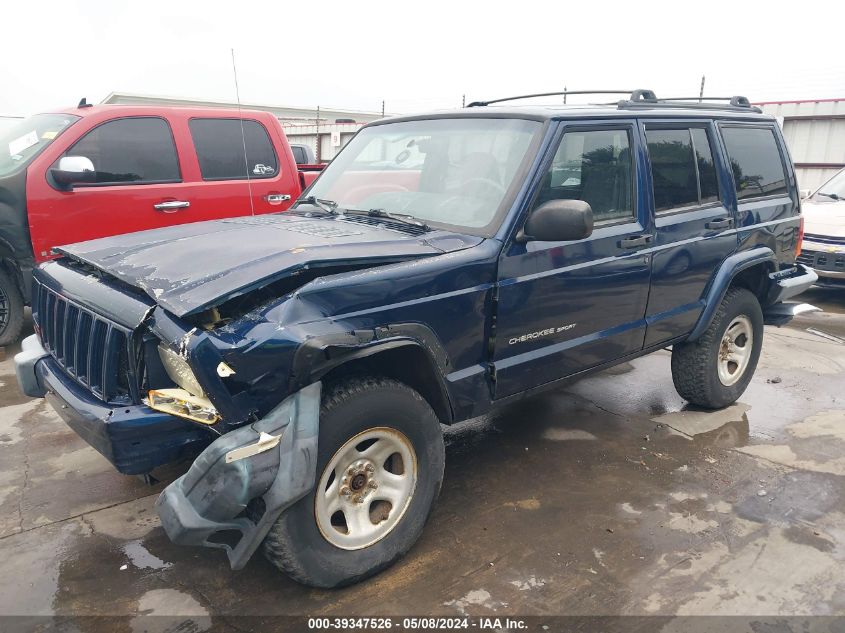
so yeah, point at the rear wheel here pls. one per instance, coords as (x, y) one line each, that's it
(379, 469)
(715, 370)
(11, 309)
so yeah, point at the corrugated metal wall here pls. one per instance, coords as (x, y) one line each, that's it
(815, 134)
(307, 135)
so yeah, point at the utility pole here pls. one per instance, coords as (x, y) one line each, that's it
(382, 108)
(701, 92)
(319, 153)
(463, 101)
(564, 94)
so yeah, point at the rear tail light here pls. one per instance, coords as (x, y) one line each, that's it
(800, 242)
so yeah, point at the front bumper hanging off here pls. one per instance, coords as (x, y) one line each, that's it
(273, 459)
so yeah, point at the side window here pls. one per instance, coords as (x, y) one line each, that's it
(673, 172)
(298, 154)
(682, 170)
(134, 150)
(220, 149)
(595, 166)
(706, 166)
(755, 161)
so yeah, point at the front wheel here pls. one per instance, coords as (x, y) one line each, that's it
(11, 309)
(714, 371)
(379, 469)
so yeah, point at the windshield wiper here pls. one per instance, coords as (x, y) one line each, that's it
(404, 218)
(834, 196)
(329, 206)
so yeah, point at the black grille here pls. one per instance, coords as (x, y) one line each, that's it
(823, 261)
(824, 239)
(90, 348)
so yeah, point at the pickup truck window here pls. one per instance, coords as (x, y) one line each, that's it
(453, 172)
(221, 149)
(26, 139)
(594, 166)
(682, 169)
(299, 155)
(755, 161)
(134, 150)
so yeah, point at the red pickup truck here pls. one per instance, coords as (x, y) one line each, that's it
(96, 171)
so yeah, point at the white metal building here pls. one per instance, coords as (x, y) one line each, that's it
(815, 134)
(325, 132)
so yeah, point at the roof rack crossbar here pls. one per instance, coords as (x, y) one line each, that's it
(736, 100)
(476, 104)
(734, 103)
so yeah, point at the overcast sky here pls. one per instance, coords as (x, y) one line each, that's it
(414, 55)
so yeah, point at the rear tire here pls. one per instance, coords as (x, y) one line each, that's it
(346, 529)
(11, 309)
(714, 371)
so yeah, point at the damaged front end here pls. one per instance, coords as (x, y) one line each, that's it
(240, 484)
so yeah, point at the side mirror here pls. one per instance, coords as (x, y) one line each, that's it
(73, 170)
(804, 193)
(559, 221)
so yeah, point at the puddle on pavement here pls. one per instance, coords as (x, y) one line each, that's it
(141, 558)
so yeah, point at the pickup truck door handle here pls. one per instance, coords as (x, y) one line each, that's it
(171, 206)
(635, 240)
(277, 198)
(719, 223)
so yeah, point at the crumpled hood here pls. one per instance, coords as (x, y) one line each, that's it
(191, 267)
(824, 218)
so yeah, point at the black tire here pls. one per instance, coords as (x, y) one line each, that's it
(11, 309)
(695, 365)
(295, 544)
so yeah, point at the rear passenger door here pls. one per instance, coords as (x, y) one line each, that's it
(565, 307)
(239, 169)
(694, 223)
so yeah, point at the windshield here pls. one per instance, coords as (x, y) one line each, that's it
(24, 140)
(454, 172)
(833, 189)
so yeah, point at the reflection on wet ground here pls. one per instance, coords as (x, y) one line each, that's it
(609, 496)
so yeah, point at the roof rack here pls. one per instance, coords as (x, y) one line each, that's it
(643, 99)
(476, 104)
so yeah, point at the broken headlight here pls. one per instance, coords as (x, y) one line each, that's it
(180, 371)
(189, 401)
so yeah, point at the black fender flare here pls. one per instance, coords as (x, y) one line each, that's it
(722, 279)
(319, 355)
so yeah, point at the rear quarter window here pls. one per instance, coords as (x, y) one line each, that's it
(228, 152)
(755, 161)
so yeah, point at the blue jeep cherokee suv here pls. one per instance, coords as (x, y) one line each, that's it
(441, 265)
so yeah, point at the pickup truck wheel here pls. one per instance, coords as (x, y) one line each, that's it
(379, 469)
(715, 370)
(11, 309)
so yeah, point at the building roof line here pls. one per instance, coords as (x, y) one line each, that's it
(252, 106)
(798, 101)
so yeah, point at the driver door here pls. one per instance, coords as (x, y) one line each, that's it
(565, 307)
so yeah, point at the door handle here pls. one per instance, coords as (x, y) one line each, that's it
(277, 198)
(634, 241)
(719, 223)
(171, 206)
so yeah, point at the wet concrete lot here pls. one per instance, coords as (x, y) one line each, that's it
(605, 497)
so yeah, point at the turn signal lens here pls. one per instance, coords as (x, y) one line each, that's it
(183, 404)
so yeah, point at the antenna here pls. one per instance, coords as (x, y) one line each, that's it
(243, 135)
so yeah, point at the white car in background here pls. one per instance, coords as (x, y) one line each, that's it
(824, 232)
